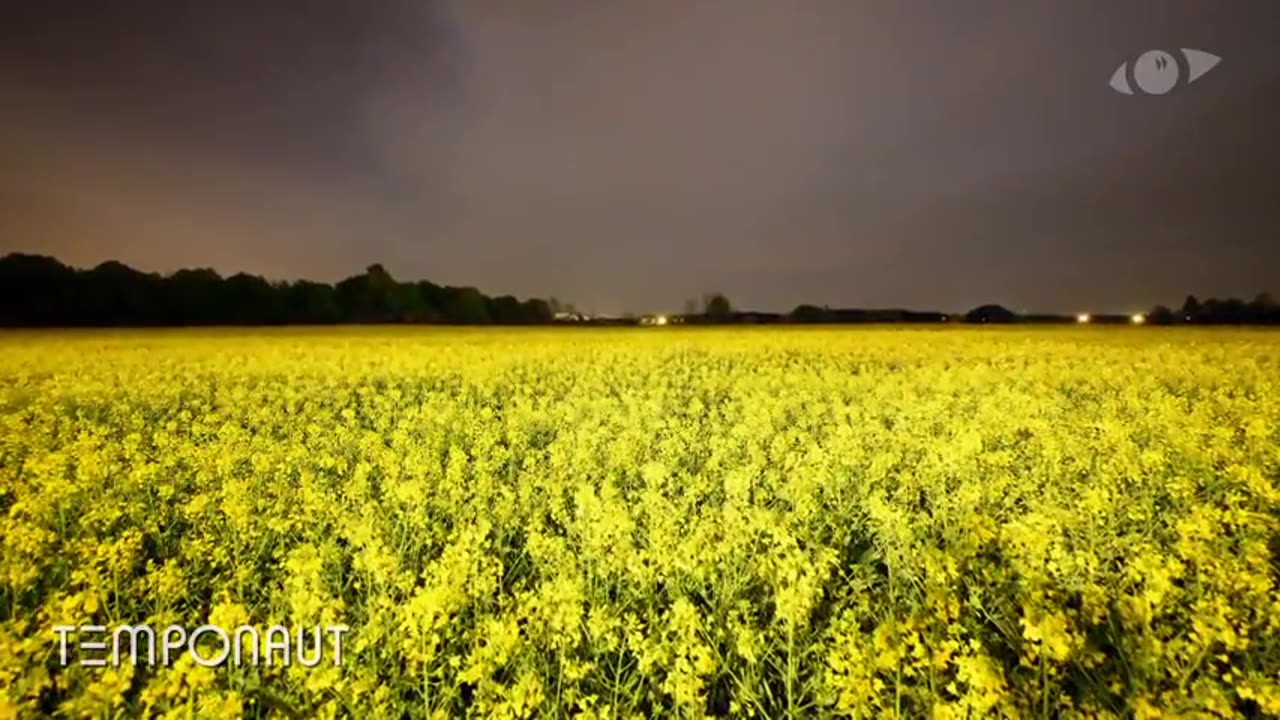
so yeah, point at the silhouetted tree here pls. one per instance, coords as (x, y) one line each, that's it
(250, 300)
(115, 294)
(194, 297)
(432, 297)
(1190, 309)
(991, 314)
(1263, 309)
(536, 311)
(466, 306)
(1161, 315)
(373, 296)
(1232, 311)
(353, 298)
(36, 290)
(505, 310)
(717, 307)
(309, 302)
(810, 314)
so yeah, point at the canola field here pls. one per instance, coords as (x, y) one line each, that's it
(675, 522)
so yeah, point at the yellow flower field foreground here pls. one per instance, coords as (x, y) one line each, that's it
(802, 522)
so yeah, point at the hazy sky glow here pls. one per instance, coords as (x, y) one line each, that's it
(625, 155)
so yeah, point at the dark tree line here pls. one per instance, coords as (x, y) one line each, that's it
(1262, 310)
(716, 309)
(38, 291)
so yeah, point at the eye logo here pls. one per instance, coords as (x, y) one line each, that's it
(1156, 72)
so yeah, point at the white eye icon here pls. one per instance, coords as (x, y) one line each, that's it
(1156, 72)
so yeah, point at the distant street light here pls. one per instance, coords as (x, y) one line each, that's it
(1082, 318)
(1138, 319)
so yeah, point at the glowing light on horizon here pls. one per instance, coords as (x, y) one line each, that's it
(1082, 318)
(1138, 319)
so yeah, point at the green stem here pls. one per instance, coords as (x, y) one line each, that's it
(791, 671)
(1044, 687)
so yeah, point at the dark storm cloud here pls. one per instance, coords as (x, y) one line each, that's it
(628, 154)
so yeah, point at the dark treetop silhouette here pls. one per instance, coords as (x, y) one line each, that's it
(40, 291)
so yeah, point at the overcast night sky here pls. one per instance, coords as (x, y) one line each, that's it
(626, 155)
